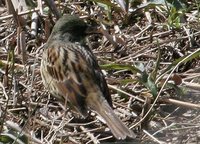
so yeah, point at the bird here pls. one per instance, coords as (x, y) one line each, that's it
(70, 72)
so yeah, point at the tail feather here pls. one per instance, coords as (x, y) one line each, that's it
(119, 130)
(101, 106)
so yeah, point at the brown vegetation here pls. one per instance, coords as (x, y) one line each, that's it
(149, 53)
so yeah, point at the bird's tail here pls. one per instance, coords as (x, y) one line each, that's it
(119, 130)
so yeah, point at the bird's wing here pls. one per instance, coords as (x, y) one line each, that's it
(75, 69)
(96, 73)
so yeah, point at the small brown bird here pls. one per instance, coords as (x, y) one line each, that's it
(71, 73)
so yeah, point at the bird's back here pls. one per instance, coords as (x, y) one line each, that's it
(73, 70)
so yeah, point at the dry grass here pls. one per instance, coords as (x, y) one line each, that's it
(159, 99)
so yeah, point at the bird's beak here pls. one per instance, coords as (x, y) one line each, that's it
(92, 30)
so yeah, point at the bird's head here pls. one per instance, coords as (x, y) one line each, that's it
(70, 28)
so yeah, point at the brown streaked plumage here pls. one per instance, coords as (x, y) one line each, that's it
(71, 73)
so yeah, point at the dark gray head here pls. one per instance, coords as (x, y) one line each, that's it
(69, 28)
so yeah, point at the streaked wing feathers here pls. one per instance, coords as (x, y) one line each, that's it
(76, 68)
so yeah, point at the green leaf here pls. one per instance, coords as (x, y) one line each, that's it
(11, 136)
(107, 3)
(46, 10)
(133, 69)
(144, 76)
(5, 139)
(178, 90)
(152, 87)
(155, 71)
(31, 3)
(140, 66)
(174, 63)
(125, 81)
(149, 83)
(178, 4)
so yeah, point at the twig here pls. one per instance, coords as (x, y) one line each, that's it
(19, 14)
(4, 91)
(192, 85)
(128, 94)
(17, 128)
(92, 137)
(153, 138)
(156, 43)
(53, 8)
(159, 93)
(180, 103)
